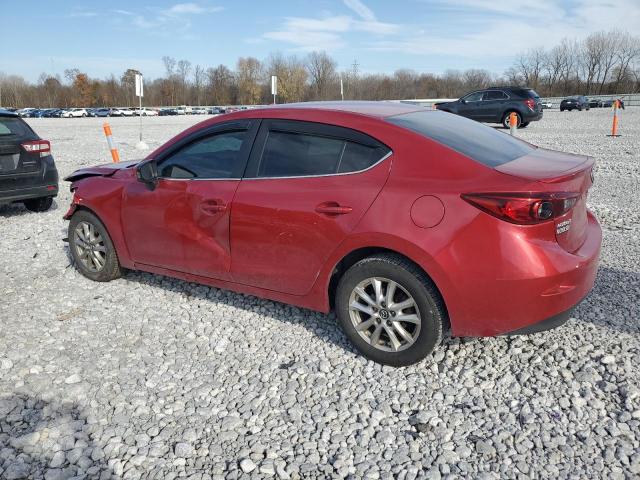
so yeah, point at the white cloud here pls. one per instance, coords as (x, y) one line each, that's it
(326, 33)
(361, 10)
(190, 9)
(496, 28)
(83, 14)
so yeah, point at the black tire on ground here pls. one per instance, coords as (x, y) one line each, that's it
(505, 119)
(413, 280)
(524, 125)
(111, 269)
(41, 204)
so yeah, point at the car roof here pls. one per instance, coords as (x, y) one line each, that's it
(7, 113)
(368, 108)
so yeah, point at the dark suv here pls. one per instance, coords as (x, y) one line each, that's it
(27, 171)
(494, 105)
(574, 103)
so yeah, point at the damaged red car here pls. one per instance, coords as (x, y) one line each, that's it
(407, 222)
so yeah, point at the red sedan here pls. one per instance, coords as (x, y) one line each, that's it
(406, 221)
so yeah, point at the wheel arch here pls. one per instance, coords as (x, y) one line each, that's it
(113, 229)
(355, 255)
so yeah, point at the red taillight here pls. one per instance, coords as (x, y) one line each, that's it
(38, 146)
(523, 209)
(531, 103)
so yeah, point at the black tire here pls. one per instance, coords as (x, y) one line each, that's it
(524, 125)
(505, 119)
(41, 204)
(413, 280)
(111, 268)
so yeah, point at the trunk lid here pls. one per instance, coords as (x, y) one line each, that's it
(559, 172)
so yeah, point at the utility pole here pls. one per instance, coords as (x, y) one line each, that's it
(354, 80)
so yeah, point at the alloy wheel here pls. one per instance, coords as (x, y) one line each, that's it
(90, 247)
(384, 314)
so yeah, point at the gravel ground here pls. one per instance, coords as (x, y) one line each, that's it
(149, 377)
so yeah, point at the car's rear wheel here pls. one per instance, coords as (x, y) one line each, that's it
(41, 204)
(390, 310)
(92, 249)
(505, 119)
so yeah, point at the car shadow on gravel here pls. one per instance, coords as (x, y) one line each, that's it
(46, 439)
(324, 326)
(613, 302)
(12, 210)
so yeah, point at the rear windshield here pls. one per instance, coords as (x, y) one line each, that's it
(13, 126)
(478, 142)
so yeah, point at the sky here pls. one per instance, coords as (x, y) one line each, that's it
(104, 38)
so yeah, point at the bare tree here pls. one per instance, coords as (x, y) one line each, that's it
(249, 75)
(198, 82)
(220, 85)
(183, 70)
(322, 73)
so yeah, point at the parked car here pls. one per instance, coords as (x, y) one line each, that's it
(101, 112)
(28, 173)
(119, 112)
(394, 215)
(595, 103)
(575, 103)
(74, 113)
(215, 111)
(181, 110)
(145, 112)
(167, 111)
(198, 111)
(495, 105)
(24, 112)
(52, 113)
(546, 104)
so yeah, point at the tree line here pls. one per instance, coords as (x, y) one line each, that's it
(602, 63)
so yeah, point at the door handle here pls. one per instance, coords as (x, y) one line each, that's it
(213, 206)
(333, 208)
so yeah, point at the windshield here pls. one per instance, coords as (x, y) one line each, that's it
(478, 142)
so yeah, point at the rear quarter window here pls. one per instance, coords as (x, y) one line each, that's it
(14, 126)
(477, 141)
(526, 92)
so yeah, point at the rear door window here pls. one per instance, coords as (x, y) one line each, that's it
(313, 150)
(495, 95)
(475, 140)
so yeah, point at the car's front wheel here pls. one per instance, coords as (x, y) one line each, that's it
(92, 249)
(41, 204)
(390, 310)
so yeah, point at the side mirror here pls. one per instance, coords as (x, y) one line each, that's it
(147, 172)
(462, 100)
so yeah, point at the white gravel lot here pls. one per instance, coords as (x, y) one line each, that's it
(149, 377)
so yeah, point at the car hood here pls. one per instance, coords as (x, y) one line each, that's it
(105, 170)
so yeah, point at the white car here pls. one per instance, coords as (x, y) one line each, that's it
(181, 110)
(146, 112)
(199, 111)
(74, 113)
